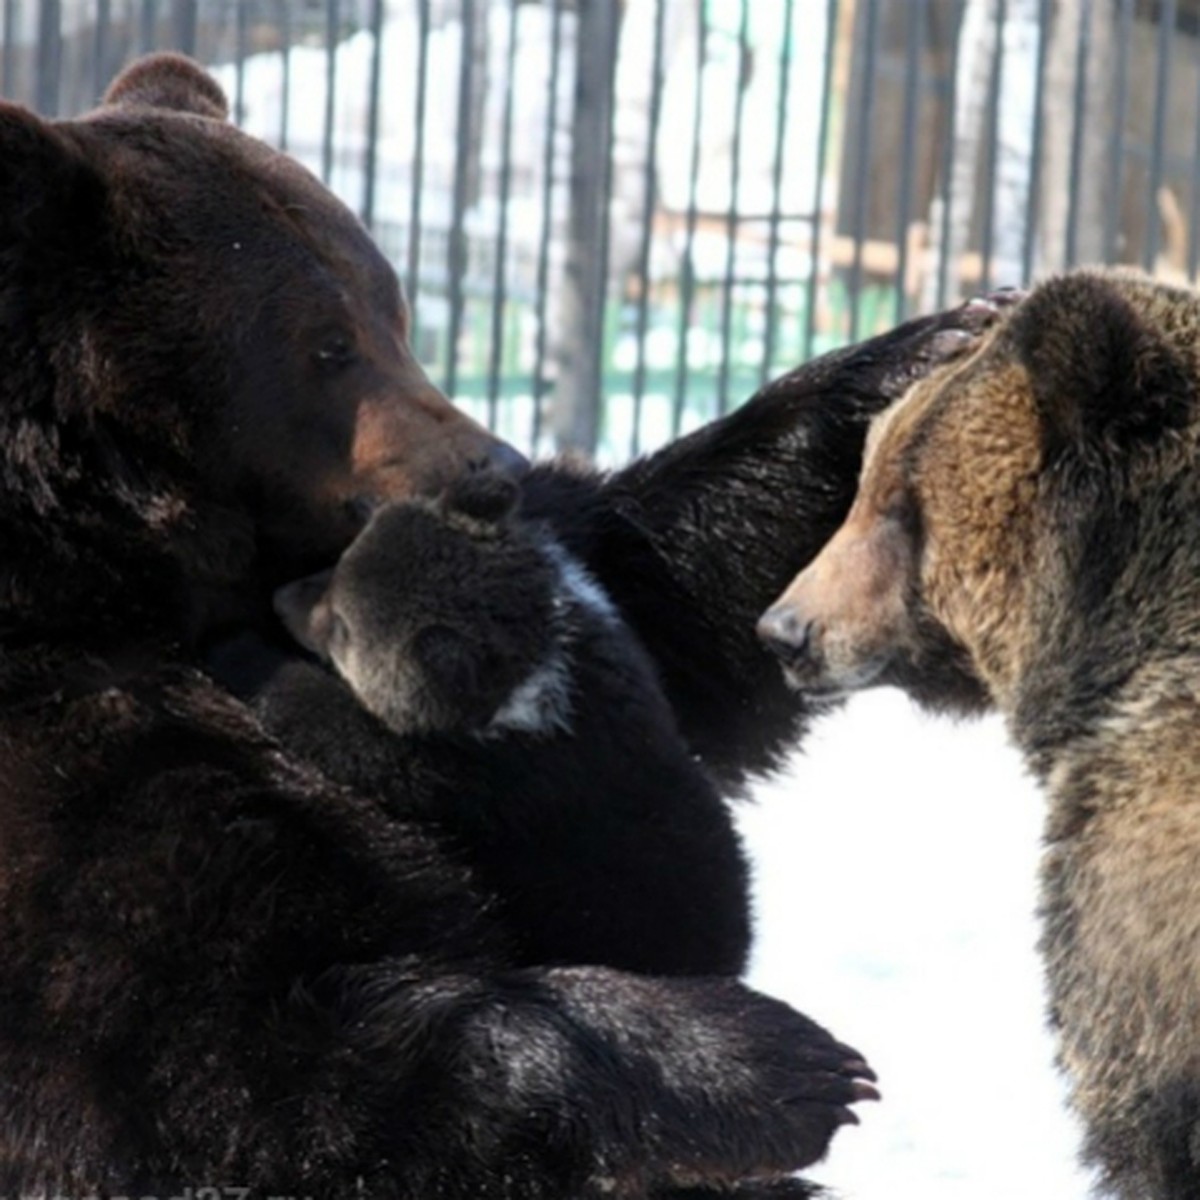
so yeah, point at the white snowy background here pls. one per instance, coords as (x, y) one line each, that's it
(895, 869)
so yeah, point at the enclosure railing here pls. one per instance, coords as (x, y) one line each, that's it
(616, 218)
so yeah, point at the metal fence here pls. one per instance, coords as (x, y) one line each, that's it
(616, 218)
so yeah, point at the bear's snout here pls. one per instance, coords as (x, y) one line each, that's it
(789, 634)
(839, 622)
(502, 459)
(793, 631)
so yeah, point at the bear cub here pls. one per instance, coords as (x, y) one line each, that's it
(479, 667)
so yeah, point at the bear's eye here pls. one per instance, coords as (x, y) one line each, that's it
(336, 351)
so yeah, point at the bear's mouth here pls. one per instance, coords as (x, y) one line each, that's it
(817, 665)
(817, 682)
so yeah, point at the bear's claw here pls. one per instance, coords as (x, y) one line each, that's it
(919, 346)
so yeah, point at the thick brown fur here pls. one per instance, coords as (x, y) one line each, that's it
(1038, 508)
(218, 967)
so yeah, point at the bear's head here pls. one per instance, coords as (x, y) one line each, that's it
(1027, 508)
(204, 362)
(441, 615)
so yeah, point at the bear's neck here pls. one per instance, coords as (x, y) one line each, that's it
(1141, 758)
(1110, 626)
(1104, 737)
(109, 537)
(96, 580)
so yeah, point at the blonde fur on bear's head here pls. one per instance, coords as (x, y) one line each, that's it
(977, 501)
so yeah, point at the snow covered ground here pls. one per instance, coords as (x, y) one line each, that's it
(896, 867)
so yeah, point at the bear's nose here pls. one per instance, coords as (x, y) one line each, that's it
(787, 634)
(504, 460)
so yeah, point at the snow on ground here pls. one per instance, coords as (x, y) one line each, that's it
(895, 874)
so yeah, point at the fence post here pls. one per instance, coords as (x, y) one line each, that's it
(575, 415)
(49, 57)
(186, 20)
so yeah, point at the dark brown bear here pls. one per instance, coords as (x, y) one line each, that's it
(1026, 533)
(217, 968)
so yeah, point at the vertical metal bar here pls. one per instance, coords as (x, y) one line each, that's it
(732, 215)
(49, 56)
(457, 249)
(283, 17)
(1112, 207)
(1074, 180)
(1033, 205)
(500, 279)
(1166, 31)
(945, 266)
(863, 163)
(908, 155)
(599, 336)
(687, 282)
(417, 181)
(371, 157)
(649, 189)
(543, 267)
(184, 32)
(239, 75)
(10, 48)
(585, 279)
(100, 47)
(333, 23)
(781, 111)
(146, 23)
(993, 146)
(1194, 214)
(814, 247)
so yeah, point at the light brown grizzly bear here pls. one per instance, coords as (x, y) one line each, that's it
(1027, 533)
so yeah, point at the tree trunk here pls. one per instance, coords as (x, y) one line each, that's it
(1016, 149)
(575, 411)
(977, 41)
(1076, 235)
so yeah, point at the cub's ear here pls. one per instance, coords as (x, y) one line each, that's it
(169, 81)
(484, 495)
(1103, 376)
(304, 608)
(49, 195)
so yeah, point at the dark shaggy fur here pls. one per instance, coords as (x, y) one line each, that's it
(1053, 487)
(218, 967)
(516, 713)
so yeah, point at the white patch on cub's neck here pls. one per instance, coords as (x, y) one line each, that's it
(577, 582)
(541, 703)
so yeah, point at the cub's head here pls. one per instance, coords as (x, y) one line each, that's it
(205, 360)
(441, 615)
(1012, 504)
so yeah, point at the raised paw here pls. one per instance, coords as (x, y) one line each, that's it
(966, 324)
(920, 346)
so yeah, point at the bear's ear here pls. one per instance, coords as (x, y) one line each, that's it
(1103, 377)
(169, 81)
(484, 496)
(303, 607)
(48, 192)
